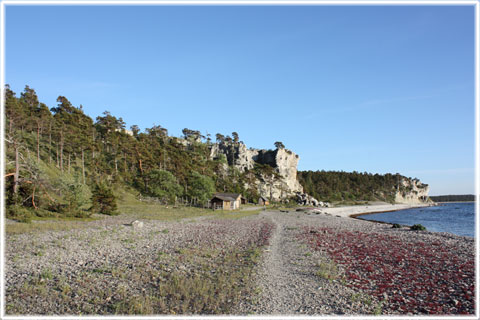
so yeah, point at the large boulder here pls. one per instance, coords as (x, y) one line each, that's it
(137, 225)
(307, 200)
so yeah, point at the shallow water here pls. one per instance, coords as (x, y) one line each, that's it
(457, 218)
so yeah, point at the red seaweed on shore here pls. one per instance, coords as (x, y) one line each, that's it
(410, 277)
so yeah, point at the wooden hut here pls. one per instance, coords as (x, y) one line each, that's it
(226, 201)
(263, 201)
(243, 200)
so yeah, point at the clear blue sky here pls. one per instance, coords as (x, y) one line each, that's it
(366, 88)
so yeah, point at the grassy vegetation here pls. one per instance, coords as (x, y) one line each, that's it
(283, 206)
(201, 292)
(328, 270)
(39, 224)
(362, 298)
(211, 282)
(128, 204)
(378, 308)
(237, 214)
(347, 203)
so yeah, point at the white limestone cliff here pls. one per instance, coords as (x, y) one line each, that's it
(283, 183)
(412, 191)
(284, 163)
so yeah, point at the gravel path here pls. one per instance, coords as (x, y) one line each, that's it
(275, 271)
(287, 276)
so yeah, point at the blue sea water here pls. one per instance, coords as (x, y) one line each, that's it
(456, 217)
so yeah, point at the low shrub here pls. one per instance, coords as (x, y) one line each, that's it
(417, 227)
(396, 226)
(65, 210)
(327, 270)
(20, 213)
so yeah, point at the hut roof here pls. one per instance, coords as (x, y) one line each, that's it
(226, 196)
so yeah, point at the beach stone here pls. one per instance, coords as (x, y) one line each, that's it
(137, 225)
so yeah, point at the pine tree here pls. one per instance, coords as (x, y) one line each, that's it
(103, 200)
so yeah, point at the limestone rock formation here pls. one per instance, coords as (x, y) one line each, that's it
(284, 162)
(412, 191)
(280, 182)
(237, 154)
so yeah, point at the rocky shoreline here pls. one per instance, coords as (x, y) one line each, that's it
(356, 267)
(271, 263)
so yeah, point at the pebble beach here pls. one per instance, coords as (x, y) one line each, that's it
(273, 263)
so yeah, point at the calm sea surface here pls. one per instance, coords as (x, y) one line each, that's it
(457, 218)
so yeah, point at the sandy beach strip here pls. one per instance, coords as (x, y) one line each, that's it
(353, 211)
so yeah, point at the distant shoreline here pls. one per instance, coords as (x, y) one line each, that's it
(453, 198)
(456, 201)
(356, 211)
(458, 226)
(355, 216)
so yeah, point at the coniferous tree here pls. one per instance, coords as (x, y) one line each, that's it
(104, 200)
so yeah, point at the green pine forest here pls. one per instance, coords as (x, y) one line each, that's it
(454, 198)
(339, 186)
(61, 162)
